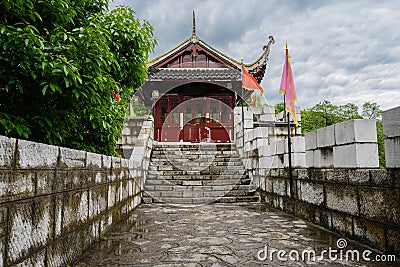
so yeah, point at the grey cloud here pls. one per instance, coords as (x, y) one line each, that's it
(342, 51)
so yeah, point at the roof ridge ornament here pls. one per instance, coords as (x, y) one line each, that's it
(194, 37)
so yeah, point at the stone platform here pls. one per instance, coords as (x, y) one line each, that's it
(219, 234)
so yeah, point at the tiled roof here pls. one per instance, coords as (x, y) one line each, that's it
(196, 74)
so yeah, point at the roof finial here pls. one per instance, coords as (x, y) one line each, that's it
(194, 24)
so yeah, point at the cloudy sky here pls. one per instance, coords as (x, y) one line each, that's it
(342, 51)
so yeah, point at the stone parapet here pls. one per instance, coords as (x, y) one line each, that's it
(56, 202)
(391, 131)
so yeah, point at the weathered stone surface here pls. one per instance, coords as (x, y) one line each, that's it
(342, 198)
(342, 224)
(298, 160)
(390, 122)
(93, 160)
(392, 152)
(359, 177)
(326, 137)
(36, 154)
(381, 178)
(356, 156)
(75, 210)
(38, 260)
(355, 131)
(279, 186)
(393, 237)
(380, 204)
(31, 227)
(337, 175)
(370, 233)
(311, 192)
(311, 140)
(310, 158)
(16, 185)
(44, 182)
(72, 158)
(323, 217)
(323, 158)
(7, 148)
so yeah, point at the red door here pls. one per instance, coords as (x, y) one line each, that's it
(194, 119)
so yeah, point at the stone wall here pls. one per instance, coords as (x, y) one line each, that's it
(336, 181)
(56, 202)
(391, 130)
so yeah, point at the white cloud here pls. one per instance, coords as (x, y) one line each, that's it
(342, 51)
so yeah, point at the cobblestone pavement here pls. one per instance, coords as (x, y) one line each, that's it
(217, 235)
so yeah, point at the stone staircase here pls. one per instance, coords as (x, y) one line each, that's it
(191, 174)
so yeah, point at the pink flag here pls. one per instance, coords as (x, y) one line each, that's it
(287, 87)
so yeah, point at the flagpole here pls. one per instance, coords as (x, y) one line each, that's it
(241, 74)
(287, 115)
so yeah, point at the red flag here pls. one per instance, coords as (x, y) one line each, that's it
(249, 82)
(287, 87)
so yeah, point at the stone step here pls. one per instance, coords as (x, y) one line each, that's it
(197, 174)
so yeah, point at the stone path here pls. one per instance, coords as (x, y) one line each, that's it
(218, 235)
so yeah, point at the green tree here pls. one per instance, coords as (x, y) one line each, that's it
(371, 111)
(325, 113)
(63, 65)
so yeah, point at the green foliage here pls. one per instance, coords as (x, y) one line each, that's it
(279, 107)
(381, 144)
(60, 62)
(325, 113)
(371, 110)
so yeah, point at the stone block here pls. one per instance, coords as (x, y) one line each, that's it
(381, 178)
(380, 204)
(248, 124)
(65, 250)
(279, 186)
(248, 135)
(298, 160)
(310, 140)
(298, 144)
(355, 131)
(304, 211)
(265, 162)
(310, 158)
(392, 152)
(44, 182)
(16, 185)
(33, 154)
(264, 151)
(369, 233)
(93, 160)
(359, 177)
(393, 237)
(391, 123)
(30, 228)
(75, 210)
(326, 137)
(72, 158)
(267, 117)
(342, 223)
(7, 149)
(342, 198)
(260, 132)
(337, 176)
(323, 217)
(323, 158)
(37, 259)
(356, 156)
(312, 192)
(281, 146)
